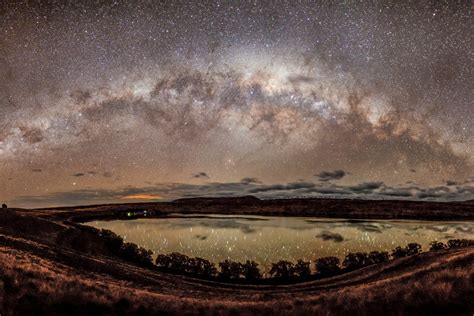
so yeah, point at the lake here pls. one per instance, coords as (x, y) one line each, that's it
(270, 239)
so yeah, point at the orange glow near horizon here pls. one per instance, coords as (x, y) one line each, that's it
(142, 197)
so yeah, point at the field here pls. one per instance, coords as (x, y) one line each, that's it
(49, 266)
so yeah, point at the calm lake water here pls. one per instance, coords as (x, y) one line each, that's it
(270, 239)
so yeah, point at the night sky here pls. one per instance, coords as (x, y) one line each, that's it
(134, 101)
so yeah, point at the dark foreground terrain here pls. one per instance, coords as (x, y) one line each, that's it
(50, 266)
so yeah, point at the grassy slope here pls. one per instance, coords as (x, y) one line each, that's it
(44, 272)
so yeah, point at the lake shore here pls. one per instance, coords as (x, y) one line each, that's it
(52, 267)
(250, 205)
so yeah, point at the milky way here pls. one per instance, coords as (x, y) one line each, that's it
(149, 101)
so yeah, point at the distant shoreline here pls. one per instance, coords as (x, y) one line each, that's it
(250, 205)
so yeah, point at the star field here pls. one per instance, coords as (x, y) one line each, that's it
(146, 101)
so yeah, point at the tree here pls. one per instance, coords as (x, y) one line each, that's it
(437, 245)
(112, 241)
(302, 269)
(378, 257)
(179, 263)
(139, 255)
(201, 267)
(399, 252)
(413, 248)
(230, 269)
(354, 261)
(327, 266)
(282, 269)
(409, 250)
(4, 206)
(175, 262)
(250, 270)
(458, 243)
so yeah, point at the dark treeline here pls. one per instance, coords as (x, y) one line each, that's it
(127, 251)
(249, 272)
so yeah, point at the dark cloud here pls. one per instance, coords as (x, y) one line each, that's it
(368, 226)
(32, 135)
(283, 187)
(434, 192)
(329, 236)
(170, 191)
(469, 180)
(201, 237)
(298, 79)
(366, 187)
(396, 192)
(250, 180)
(200, 175)
(331, 175)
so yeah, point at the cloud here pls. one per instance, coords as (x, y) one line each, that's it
(200, 175)
(32, 135)
(396, 192)
(250, 180)
(201, 237)
(301, 79)
(283, 187)
(368, 226)
(170, 191)
(331, 175)
(329, 236)
(366, 187)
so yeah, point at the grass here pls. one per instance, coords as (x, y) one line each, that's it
(43, 273)
(31, 284)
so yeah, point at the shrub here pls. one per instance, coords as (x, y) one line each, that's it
(378, 257)
(399, 252)
(437, 245)
(327, 266)
(301, 269)
(250, 270)
(138, 255)
(201, 267)
(230, 270)
(175, 262)
(113, 242)
(354, 261)
(409, 250)
(458, 243)
(413, 248)
(282, 269)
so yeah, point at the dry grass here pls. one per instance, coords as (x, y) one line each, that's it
(31, 284)
(43, 274)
